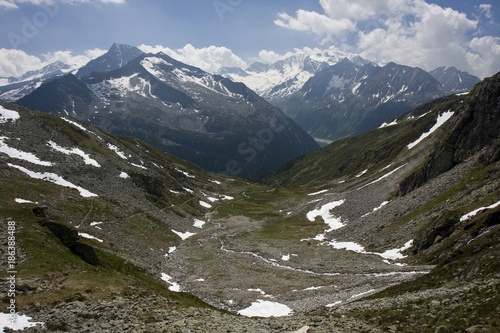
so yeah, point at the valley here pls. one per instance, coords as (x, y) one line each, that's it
(142, 194)
(384, 231)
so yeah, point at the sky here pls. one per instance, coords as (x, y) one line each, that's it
(214, 33)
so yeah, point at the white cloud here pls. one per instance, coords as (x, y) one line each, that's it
(67, 57)
(485, 9)
(270, 57)
(16, 62)
(6, 4)
(210, 59)
(95, 53)
(413, 33)
(484, 55)
(321, 25)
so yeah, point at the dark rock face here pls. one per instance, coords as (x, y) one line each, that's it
(453, 79)
(474, 129)
(40, 212)
(69, 237)
(442, 230)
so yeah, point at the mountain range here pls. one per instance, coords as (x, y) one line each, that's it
(336, 94)
(14, 88)
(395, 229)
(209, 120)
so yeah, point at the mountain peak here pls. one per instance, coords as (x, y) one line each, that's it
(453, 79)
(117, 56)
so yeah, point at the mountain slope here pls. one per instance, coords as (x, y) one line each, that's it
(28, 82)
(347, 99)
(277, 81)
(454, 80)
(209, 120)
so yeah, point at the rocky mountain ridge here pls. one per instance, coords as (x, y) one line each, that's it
(346, 99)
(18, 87)
(330, 101)
(207, 119)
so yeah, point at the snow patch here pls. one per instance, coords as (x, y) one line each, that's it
(175, 287)
(362, 294)
(185, 173)
(266, 309)
(377, 208)
(356, 87)
(361, 173)
(395, 254)
(85, 235)
(443, 118)
(382, 177)
(7, 115)
(53, 178)
(324, 212)
(21, 201)
(331, 305)
(204, 204)
(108, 88)
(75, 151)
(319, 192)
(139, 166)
(349, 246)
(21, 155)
(474, 212)
(117, 151)
(198, 223)
(124, 175)
(394, 122)
(183, 235)
(74, 123)
(20, 321)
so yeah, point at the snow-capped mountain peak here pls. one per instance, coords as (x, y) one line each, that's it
(278, 80)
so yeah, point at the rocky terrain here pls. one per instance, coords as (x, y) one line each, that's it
(374, 233)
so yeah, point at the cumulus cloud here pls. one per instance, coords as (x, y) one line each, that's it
(67, 57)
(321, 25)
(414, 33)
(16, 62)
(210, 59)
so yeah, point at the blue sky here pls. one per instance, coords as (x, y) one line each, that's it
(428, 34)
